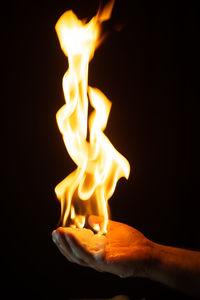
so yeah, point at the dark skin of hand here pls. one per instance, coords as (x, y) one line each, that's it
(128, 253)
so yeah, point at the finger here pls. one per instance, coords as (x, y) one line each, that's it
(98, 221)
(75, 258)
(66, 249)
(78, 250)
(86, 256)
(93, 220)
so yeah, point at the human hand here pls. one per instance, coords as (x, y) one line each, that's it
(127, 251)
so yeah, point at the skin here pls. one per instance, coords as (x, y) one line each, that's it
(128, 253)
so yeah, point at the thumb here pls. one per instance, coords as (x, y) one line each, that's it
(95, 221)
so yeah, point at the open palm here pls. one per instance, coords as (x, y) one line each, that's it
(126, 251)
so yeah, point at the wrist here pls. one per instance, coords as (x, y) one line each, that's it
(152, 259)
(143, 261)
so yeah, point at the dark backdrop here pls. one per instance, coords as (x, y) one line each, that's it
(149, 70)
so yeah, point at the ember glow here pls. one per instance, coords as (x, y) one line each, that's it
(88, 188)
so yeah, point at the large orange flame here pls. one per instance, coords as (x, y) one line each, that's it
(99, 166)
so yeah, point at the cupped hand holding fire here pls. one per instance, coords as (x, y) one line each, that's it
(123, 251)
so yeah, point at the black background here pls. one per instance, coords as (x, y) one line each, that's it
(149, 70)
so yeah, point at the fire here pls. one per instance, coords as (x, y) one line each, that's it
(86, 190)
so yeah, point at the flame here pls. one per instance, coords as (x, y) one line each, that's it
(87, 189)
